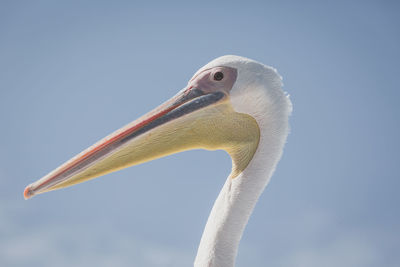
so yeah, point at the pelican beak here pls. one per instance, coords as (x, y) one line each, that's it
(199, 116)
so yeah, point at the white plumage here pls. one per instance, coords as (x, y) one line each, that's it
(257, 92)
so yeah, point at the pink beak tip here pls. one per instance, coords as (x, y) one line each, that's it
(28, 192)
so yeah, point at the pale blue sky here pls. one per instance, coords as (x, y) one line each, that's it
(72, 72)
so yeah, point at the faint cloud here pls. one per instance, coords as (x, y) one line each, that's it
(88, 245)
(328, 243)
(348, 249)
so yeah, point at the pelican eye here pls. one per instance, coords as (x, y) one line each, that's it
(218, 76)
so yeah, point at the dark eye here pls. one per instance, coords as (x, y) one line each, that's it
(218, 76)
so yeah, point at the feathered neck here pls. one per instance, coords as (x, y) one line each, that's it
(263, 99)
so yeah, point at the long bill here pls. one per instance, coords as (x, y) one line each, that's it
(151, 136)
(191, 119)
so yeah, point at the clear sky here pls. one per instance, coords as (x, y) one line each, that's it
(72, 72)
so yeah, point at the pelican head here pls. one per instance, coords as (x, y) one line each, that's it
(232, 103)
(220, 108)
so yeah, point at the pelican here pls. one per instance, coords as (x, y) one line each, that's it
(232, 103)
